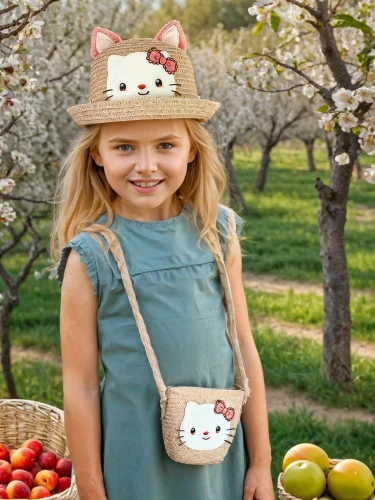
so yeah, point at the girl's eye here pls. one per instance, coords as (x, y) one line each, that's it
(166, 144)
(192, 430)
(218, 429)
(122, 86)
(128, 146)
(158, 83)
(124, 146)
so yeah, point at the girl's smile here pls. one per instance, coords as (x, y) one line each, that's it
(148, 189)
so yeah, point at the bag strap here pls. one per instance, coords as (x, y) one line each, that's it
(241, 379)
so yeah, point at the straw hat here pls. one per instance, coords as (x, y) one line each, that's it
(140, 79)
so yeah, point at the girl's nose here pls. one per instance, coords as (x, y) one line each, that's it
(142, 86)
(205, 433)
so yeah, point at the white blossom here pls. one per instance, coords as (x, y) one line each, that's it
(347, 121)
(7, 213)
(367, 142)
(7, 102)
(369, 174)
(342, 159)
(345, 99)
(327, 122)
(308, 91)
(365, 94)
(33, 4)
(6, 185)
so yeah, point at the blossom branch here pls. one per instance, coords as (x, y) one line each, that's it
(25, 21)
(310, 10)
(24, 198)
(64, 74)
(264, 90)
(321, 89)
(7, 9)
(10, 124)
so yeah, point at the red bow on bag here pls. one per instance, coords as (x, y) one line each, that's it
(154, 56)
(228, 413)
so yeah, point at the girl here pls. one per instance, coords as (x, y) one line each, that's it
(145, 169)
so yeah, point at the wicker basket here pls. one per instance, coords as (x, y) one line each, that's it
(283, 495)
(21, 419)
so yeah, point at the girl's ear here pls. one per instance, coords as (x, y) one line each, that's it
(173, 34)
(101, 39)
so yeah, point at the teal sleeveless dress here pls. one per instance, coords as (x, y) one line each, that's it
(181, 300)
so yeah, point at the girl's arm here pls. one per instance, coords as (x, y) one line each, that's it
(81, 386)
(254, 413)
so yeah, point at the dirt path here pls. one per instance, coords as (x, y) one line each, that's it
(274, 284)
(365, 213)
(282, 399)
(19, 353)
(278, 398)
(362, 348)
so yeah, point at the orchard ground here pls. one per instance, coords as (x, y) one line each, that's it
(283, 244)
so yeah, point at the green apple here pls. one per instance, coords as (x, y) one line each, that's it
(304, 479)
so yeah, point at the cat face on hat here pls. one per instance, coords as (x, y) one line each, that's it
(141, 79)
(152, 72)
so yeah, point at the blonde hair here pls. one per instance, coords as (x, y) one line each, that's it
(83, 193)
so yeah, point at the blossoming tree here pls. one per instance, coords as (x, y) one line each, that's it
(325, 47)
(44, 69)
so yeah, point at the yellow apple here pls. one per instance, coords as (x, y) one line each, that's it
(351, 480)
(307, 451)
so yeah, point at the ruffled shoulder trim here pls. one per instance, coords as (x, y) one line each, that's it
(81, 245)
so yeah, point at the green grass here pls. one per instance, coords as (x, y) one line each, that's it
(307, 309)
(298, 363)
(342, 440)
(38, 381)
(282, 225)
(42, 382)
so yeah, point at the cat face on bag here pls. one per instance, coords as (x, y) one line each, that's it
(203, 429)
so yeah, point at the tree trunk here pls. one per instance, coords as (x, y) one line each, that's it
(234, 190)
(310, 154)
(264, 166)
(329, 151)
(5, 314)
(332, 218)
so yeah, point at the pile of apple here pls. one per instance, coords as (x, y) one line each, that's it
(306, 475)
(32, 472)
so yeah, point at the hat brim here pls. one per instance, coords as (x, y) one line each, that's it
(142, 108)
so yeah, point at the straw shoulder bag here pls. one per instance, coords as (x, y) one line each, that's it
(198, 423)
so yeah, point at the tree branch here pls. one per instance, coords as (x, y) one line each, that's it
(323, 91)
(10, 124)
(64, 74)
(25, 18)
(7, 9)
(263, 90)
(310, 10)
(24, 198)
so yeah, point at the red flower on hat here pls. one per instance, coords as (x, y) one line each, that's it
(154, 56)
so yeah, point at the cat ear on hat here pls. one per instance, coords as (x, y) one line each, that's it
(173, 34)
(101, 39)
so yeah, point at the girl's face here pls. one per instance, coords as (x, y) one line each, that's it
(145, 151)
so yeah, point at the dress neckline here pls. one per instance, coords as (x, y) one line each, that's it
(171, 220)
